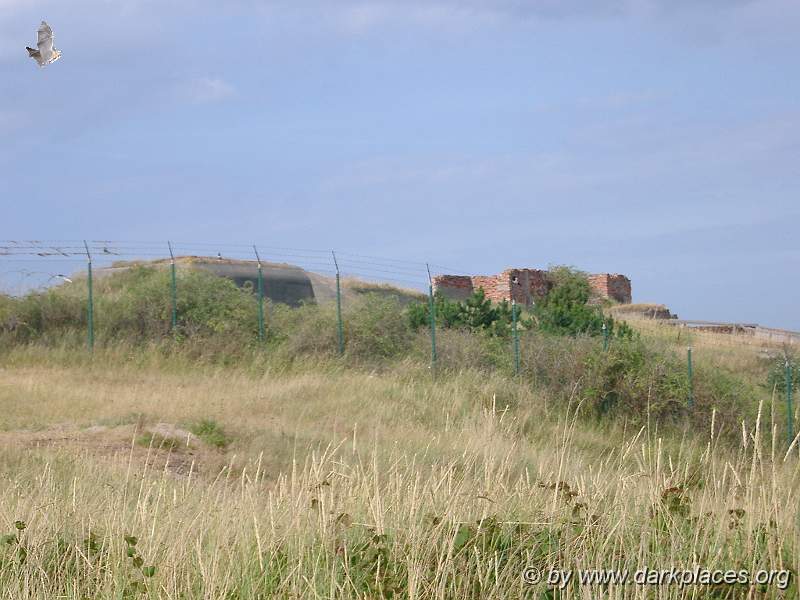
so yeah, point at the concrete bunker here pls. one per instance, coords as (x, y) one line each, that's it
(285, 284)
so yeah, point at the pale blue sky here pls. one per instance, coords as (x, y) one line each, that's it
(660, 138)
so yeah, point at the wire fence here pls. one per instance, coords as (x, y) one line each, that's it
(32, 265)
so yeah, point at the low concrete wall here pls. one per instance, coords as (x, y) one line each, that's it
(766, 334)
(777, 336)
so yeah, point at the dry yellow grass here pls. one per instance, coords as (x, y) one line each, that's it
(688, 336)
(737, 353)
(346, 484)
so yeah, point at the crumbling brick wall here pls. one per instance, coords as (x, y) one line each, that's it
(525, 286)
(521, 285)
(613, 286)
(492, 285)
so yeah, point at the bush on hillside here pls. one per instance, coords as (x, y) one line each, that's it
(135, 305)
(565, 310)
(375, 327)
(640, 381)
(476, 314)
(309, 329)
(27, 318)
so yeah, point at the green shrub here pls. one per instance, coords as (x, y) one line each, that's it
(28, 318)
(375, 327)
(135, 305)
(211, 433)
(309, 329)
(565, 310)
(476, 314)
(640, 381)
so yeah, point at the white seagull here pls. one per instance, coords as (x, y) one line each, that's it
(46, 52)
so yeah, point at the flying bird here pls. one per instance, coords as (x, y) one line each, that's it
(46, 52)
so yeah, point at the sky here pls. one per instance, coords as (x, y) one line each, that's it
(655, 138)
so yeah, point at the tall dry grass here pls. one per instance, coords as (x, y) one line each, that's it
(349, 484)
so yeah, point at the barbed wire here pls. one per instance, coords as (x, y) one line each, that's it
(106, 253)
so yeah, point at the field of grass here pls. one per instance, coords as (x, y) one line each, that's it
(318, 481)
(202, 462)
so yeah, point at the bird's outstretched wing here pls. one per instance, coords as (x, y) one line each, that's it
(45, 41)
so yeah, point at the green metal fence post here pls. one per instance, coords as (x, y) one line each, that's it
(515, 332)
(690, 374)
(173, 288)
(339, 324)
(432, 309)
(789, 406)
(90, 303)
(605, 337)
(262, 332)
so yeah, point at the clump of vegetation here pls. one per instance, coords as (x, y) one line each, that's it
(211, 433)
(135, 306)
(132, 552)
(14, 541)
(565, 310)
(476, 314)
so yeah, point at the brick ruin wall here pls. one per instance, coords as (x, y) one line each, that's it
(614, 286)
(494, 287)
(526, 285)
(455, 287)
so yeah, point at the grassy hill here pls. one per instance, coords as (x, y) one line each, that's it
(281, 470)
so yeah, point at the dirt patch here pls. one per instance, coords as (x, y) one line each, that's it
(162, 446)
(172, 432)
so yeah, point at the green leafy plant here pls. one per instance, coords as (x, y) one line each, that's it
(137, 562)
(14, 540)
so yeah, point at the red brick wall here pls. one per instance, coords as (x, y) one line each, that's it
(530, 285)
(493, 286)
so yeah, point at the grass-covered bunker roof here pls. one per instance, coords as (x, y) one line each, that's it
(283, 283)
